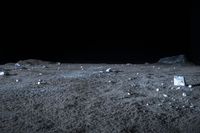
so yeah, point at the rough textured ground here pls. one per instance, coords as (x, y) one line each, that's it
(71, 98)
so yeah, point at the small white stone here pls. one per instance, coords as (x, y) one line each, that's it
(130, 79)
(184, 94)
(2, 73)
(137, 73)
(158, 68)
(40, 74)
(147, 104)
(44, 66)
(17, 80)
(59, 63)
(153, 66)
(17, 65)
(157, 89)
(165, 95)
(162, 84)
(108, 70)
(178, 88)
(38, 82)
(190, 86)
(129, 93)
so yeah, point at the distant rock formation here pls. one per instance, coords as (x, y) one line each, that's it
(180, 59)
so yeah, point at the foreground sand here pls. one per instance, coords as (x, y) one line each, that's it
(48, 97)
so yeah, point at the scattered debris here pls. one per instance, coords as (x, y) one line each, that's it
(184, 94)
(179, 81)
(82, 68)
(40, 82)
(165, 95)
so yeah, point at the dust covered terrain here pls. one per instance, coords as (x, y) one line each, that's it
(45, 97)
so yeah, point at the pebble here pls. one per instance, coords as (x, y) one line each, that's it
(129, 93)
(40, 74)
(184, 94)
(165, 95)
(162, 84)
(190, 86)
(44, 66)
(59, 63)
(130, 79)
(178, 88)
(157, 89)
(17, 80)
(108, 70)
(2, 73)
(137, 73)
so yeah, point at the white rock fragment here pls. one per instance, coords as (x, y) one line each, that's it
(17, 65)
(178, 88)
(165, 95)
(40, 74)
(179, 81)
(190, 86)
(153, 67)
(130, 78)
(158, 68)
(100, 71)
(108, 70)
(44, 66)
(137, 73)
(17, 80)
(147, 104)
(82, 67)
(129, 93)
(59, 63)
(184, 94)
(2, 73)
(157, 89)
(162, 84)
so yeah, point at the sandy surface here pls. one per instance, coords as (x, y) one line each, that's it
(48, 97)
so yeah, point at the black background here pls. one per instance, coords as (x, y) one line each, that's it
(135, 36)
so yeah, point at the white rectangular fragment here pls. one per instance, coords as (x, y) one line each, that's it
(179, 81)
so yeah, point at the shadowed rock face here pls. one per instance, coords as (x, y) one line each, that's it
(180, 59)
(88, 98)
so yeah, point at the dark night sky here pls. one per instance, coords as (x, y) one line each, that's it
(144, 38)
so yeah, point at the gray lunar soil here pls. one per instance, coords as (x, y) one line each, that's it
(45, 97)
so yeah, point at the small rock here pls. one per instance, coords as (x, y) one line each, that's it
(59, 63)
(165, 95)
(129, 93)
(147, 104)
(184, 94)
(44, 66)
(108, 70)
(130, 79)
(2, 73)
(17, 80)
(157, 89)
(40, 74)
(178, 88)
(17, 65)
(179, 81)
(162, 84)
(190, 86)
(137, 73)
